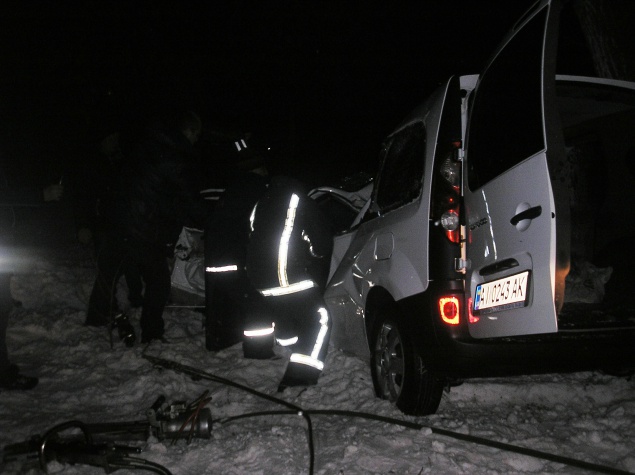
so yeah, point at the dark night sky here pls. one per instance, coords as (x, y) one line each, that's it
(323, 81)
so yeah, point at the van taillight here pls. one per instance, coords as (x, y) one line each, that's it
(449, 310)
(470, 316)
(453, 236)
(450, 223)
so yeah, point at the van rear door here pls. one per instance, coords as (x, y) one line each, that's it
(509, 202)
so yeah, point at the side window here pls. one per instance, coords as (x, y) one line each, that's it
(401, 175)
(506, 125)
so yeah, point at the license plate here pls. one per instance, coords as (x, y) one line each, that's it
(502, 294)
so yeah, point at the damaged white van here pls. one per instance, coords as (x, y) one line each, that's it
(499, 235)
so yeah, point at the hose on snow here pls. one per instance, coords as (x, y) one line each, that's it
(306, 414)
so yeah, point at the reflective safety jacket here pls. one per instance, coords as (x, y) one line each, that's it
(291, 241)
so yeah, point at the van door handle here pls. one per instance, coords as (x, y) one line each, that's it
(530, 213)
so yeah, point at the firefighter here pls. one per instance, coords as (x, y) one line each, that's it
(288, 259)
(227, 288)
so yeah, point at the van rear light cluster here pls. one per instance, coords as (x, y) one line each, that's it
(450, 170)
(450, 310)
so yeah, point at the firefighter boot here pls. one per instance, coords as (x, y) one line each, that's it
(298, 374)
(258, 347)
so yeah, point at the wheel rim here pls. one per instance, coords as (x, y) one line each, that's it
(389, 361)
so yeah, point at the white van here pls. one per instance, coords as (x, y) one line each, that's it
(498, 238)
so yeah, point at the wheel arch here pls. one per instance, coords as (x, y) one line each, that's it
(378, 297)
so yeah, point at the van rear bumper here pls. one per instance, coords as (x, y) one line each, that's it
(450, 349)
(558, 352)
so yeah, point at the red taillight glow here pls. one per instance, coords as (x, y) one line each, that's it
(453, 236)
(449, 310)
(470, 317)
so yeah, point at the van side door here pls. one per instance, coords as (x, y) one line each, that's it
(508, 197)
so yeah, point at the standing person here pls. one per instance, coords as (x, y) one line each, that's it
(227, 288)
(288, 260)
(156, 194)
(92, 182)
(10, 376)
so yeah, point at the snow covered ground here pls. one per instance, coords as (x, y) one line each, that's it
(587, 416)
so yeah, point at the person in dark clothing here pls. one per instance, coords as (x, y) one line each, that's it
(227, 288)
(10, 376)
(90, 180)
(156, 194)
(288, 259)
(91, 184)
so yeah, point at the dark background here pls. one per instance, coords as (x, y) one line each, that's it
(321, 82)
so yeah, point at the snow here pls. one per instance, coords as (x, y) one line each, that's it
(587, 416)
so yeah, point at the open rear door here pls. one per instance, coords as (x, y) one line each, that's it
(509, 202)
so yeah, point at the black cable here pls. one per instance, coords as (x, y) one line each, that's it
(218, 379)
(249, 415)
(481, 441)
(410, 425)
(136, 463)
(455, 435)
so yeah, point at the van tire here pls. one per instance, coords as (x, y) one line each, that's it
(398, 369)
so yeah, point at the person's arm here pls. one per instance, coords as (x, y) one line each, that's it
(317, 229)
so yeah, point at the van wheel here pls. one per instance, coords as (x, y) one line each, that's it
(399, 373)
